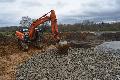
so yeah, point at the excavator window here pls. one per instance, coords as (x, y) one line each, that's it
(23, 29)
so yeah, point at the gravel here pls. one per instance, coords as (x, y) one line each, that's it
(76, 64)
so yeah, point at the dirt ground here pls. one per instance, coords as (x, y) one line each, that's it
(10, 55)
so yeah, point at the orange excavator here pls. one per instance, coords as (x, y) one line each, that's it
(34, 35)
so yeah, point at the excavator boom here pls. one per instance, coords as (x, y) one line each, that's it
(36, 24)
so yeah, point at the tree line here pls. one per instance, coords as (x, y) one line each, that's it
(89, 26)
(77, 27)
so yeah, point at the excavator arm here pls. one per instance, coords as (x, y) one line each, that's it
(36, 24)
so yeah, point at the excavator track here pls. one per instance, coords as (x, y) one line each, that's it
(22, 45)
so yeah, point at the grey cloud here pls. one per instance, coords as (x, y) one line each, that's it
(6, 1)
(68, 20)
(60, 4)
(78, 19)
(103, 13)
(5, 22)
(95, 12)
(31, 3)
(95, 9)
(8, 19)
(117, 4)
(88, 10)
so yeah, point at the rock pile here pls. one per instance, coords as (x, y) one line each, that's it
(77, 64)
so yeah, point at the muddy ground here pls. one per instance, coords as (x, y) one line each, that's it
(11, 56)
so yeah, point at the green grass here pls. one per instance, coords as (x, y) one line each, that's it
(7, 33)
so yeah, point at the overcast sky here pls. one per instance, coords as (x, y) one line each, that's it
(12, 10)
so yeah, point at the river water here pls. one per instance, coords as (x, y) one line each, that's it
(109, 47)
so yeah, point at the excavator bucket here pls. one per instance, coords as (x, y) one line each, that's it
(63, 47)
(20, 35)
